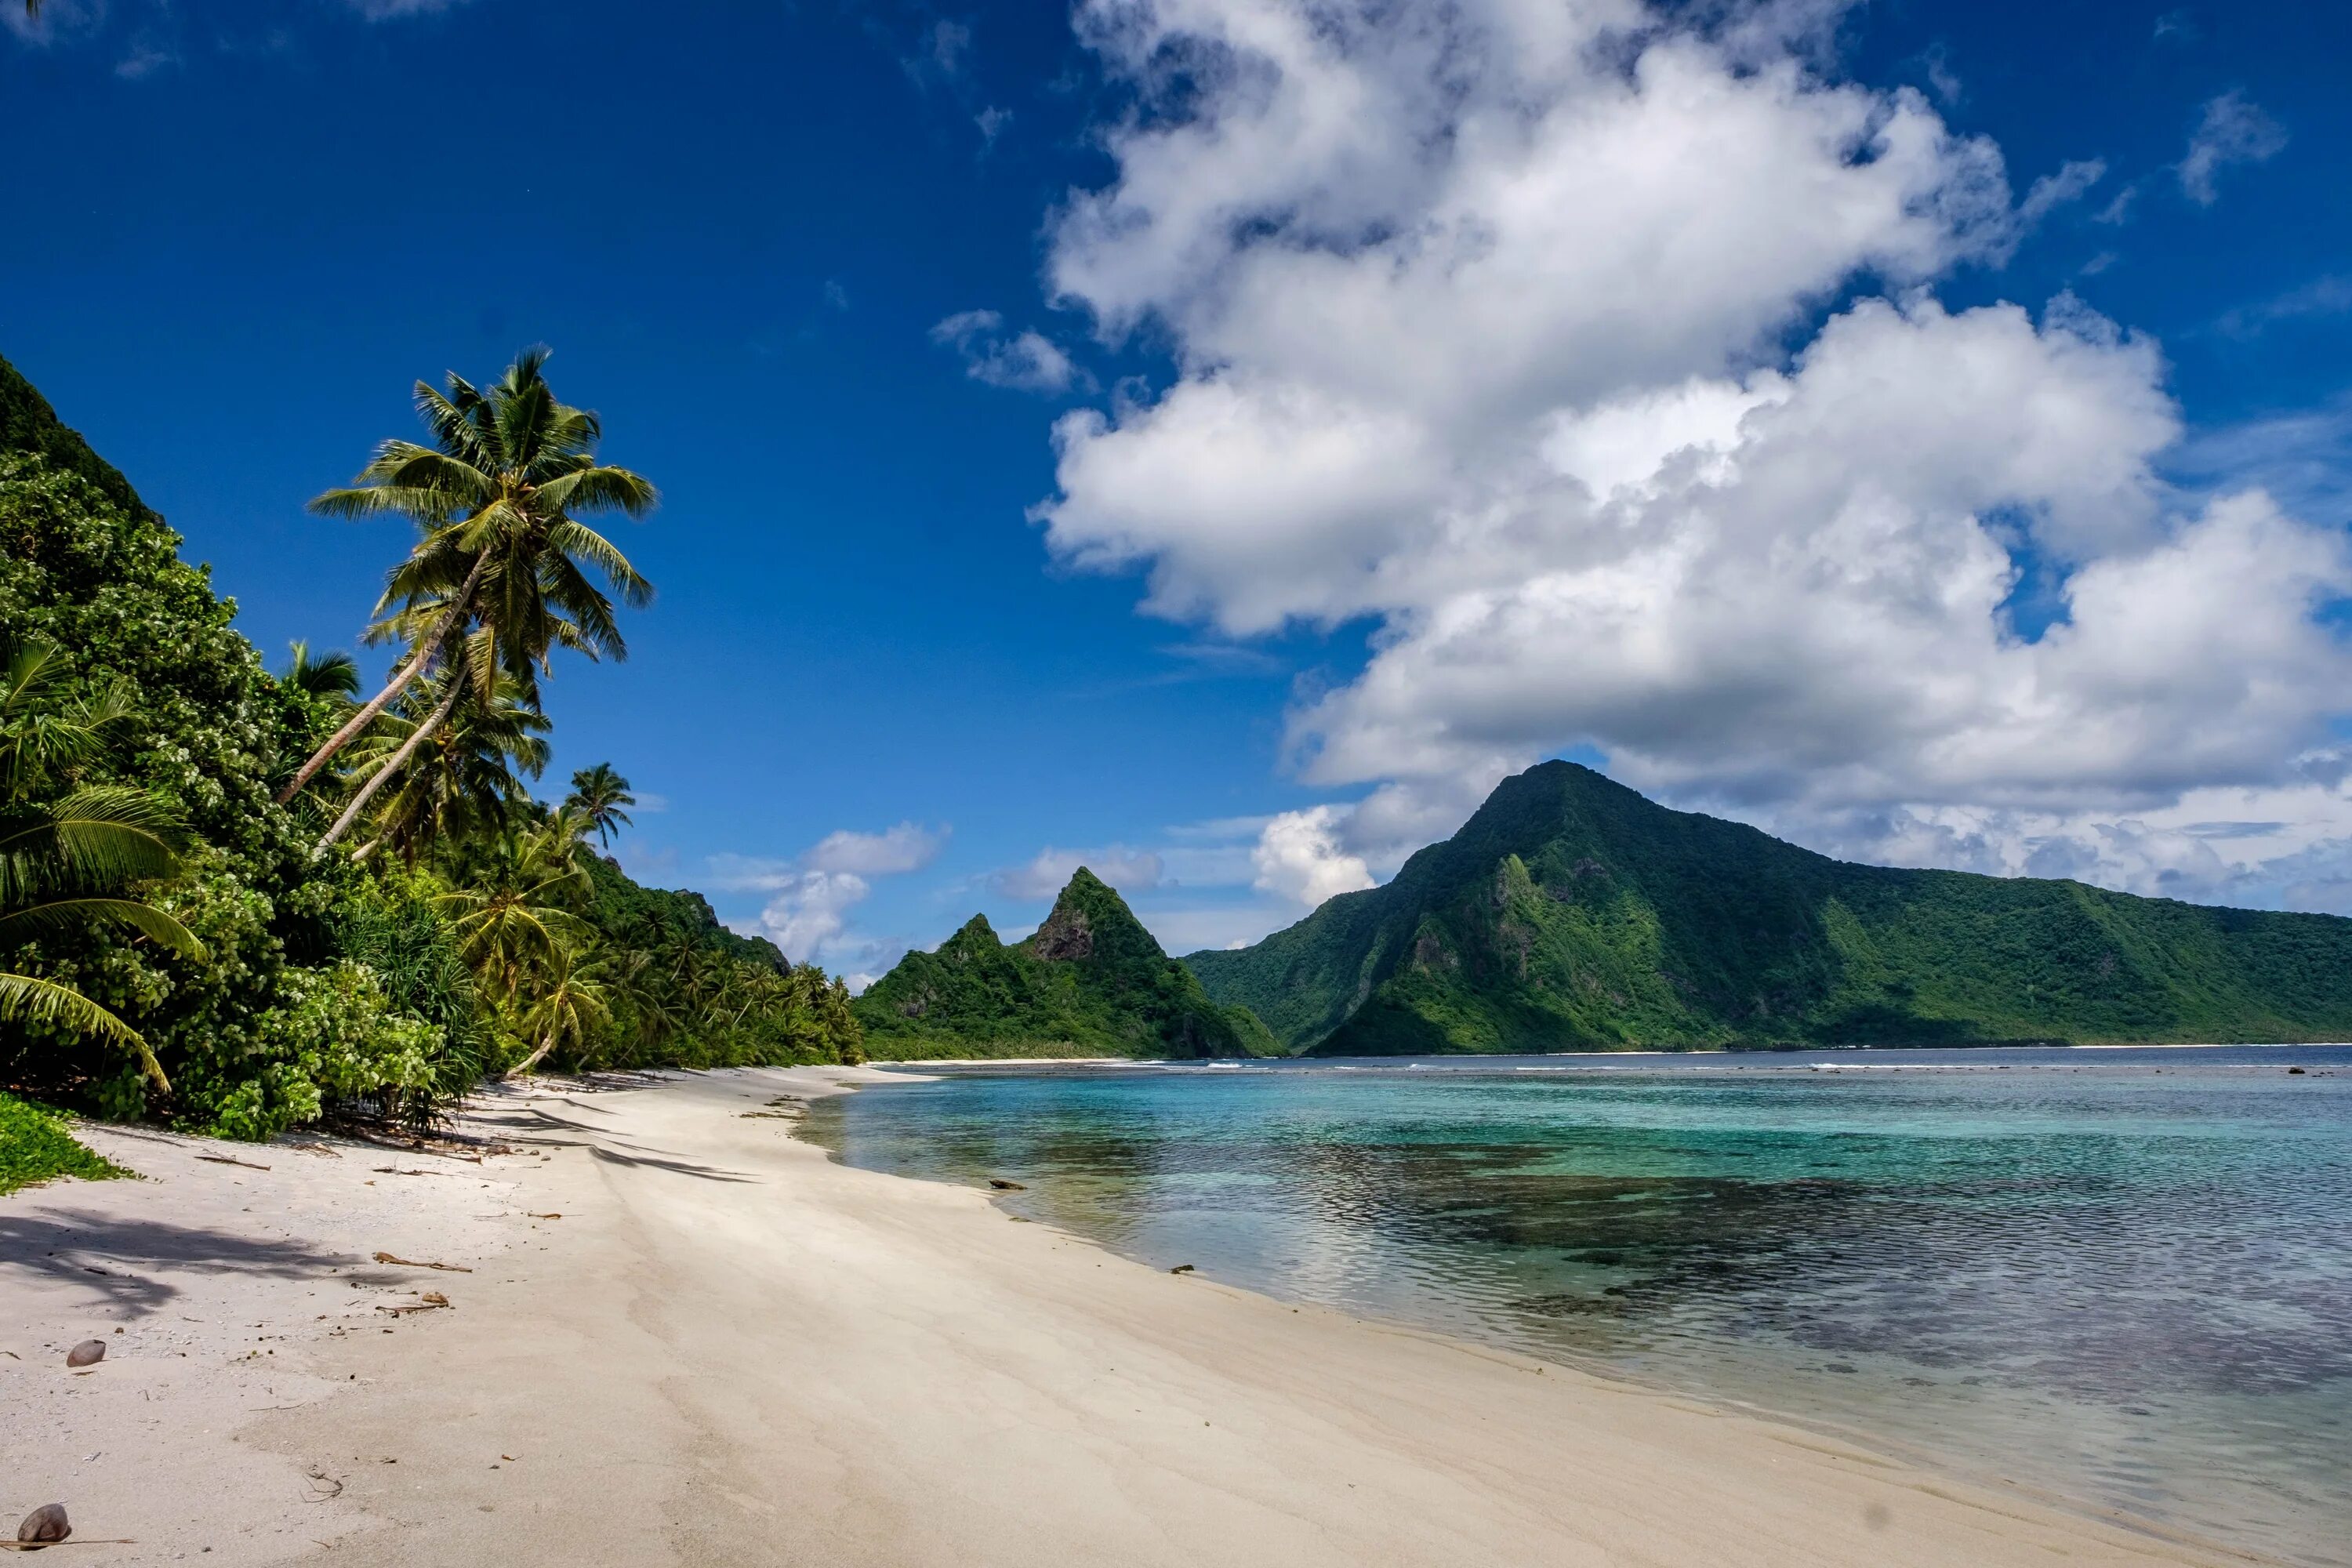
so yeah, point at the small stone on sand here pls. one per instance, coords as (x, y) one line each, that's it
(47, 1522)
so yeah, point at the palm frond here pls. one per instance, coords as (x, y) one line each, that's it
(99, 837)
(564, 588)
(60, 916)
(335, 674)
(577, 539)
(26, 996)
(600, 487)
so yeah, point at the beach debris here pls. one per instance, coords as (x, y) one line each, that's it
(86, 1354)
(432, 1300)
(557, 1215)
(411, 1263)
(2295, 1072)
(1182, 1268)
(396, 1171)
(44, 1524)
(226, 1160)
(1001, 1185)
(317, 1492)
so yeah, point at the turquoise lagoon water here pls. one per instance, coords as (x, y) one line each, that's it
(2121, 1276)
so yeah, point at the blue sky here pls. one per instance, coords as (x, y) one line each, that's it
(1285, 608)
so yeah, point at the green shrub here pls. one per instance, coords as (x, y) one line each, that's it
(36, 1147)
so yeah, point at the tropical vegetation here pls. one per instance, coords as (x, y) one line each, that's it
(34, 1146)
(238, 901)
(1090, 981)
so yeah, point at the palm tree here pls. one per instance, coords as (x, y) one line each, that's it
(598, 793)
(494, 496)
(519, 915)
(466, 779)
(649, 995)
(568, 1005)
(70, 863)
(330, 675)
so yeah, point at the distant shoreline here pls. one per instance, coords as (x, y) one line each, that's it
(946, 1063)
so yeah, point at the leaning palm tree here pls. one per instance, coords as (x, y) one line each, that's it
(495, 497)
(598, 793)
(71, 863)
(567, 1004)
(464, 781)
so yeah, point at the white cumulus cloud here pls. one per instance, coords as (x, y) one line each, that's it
(2231, 130)
(385, 10)
(1130, 871)
(1299, 857)
(2050, 192)
(812, 895)
(809, 912)
(1024, 361)
(1508, 329)
(908, 846)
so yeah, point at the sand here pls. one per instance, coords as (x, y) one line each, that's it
(729, 1350)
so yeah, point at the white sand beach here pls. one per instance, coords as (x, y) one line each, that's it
(729, 1350)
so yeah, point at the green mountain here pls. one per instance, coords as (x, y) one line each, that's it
(28, 424)
(1090, 981)
(1571, 913)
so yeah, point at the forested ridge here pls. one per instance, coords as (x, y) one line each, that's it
(1090, 981)
(1571, 913)
(238, 899)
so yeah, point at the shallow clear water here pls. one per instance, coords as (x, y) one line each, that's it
(2123, 1277)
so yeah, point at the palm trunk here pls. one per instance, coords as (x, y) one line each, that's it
(522, 1068)
(399, 760)
(409, 670)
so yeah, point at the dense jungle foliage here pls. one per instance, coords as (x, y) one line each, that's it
(239, 901)
(1089, 981)
(1571, 913)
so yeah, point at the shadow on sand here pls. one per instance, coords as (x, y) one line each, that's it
(103, 1254)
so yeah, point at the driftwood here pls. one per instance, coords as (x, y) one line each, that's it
(431, 1301)
(45, 1545)
(407, 1263)
(225, 1160)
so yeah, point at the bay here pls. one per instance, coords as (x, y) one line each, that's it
(2123, 1278)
